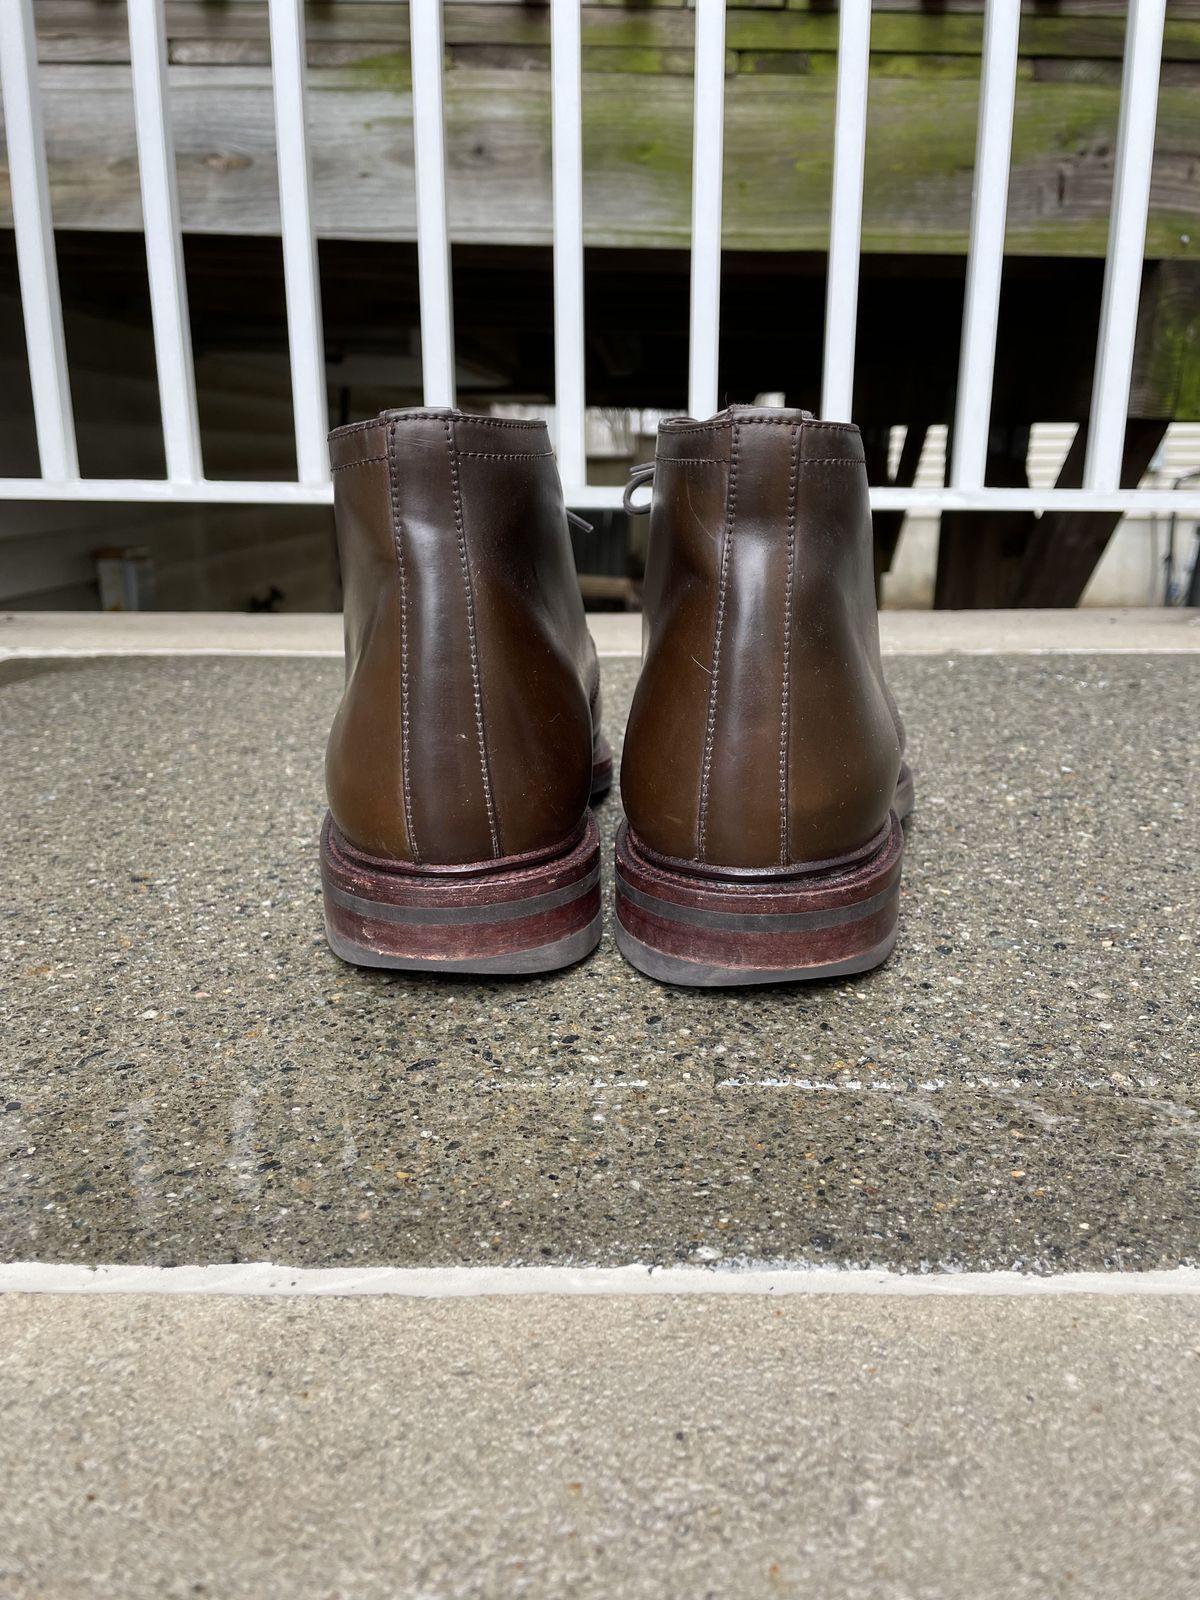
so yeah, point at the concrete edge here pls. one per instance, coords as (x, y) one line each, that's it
(72, 634)
(266, 1278)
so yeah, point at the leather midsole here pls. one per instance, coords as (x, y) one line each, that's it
(502, 911)
(770, 922)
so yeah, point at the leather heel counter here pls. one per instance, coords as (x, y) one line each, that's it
(404, 767)
(464, 733)
(536, 662)
(844, 748)
(761, 735)
(663, 755)
(364, 753)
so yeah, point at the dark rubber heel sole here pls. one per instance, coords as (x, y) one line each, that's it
(681, 927)
(504, 919)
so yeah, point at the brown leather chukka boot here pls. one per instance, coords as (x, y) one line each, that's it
(468, 739)
(762, 775)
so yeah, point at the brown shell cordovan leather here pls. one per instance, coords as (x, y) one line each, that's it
(465, 732)
(762, 735)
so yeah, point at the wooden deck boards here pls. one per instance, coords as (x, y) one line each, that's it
(637, 134)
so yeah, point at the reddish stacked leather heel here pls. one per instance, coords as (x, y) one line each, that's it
(709, 930)
(499, 917)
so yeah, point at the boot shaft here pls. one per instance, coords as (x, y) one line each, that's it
(762, 735)
(465, 731)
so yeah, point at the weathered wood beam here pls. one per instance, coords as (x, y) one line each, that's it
(887, 524)
(979, 552)
(637, 158)
(1166, 357)
(1063, 548)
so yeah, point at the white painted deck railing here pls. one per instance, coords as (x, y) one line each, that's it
(185, 480)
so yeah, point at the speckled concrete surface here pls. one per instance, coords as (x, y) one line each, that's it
(186, 1074)
(887, 1450)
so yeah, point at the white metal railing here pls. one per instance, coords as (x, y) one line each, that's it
(845, 220)
(164, 243)
(567, 158)
(185, 480)
(985, 262)
(708, 150)
(1126, 243)
(34, 231)
(433, 233)
(300, 279)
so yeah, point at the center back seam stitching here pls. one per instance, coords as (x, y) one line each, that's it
(397, 543)
(710, 729)
(461, 532)
(785, 719)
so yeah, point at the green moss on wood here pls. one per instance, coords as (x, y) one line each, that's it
(778, 63)
(645, 59)
(1166, 379)
(1175, 368)
(926, 67)
(391, 70)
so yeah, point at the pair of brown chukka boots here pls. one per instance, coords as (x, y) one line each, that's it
(762, 776)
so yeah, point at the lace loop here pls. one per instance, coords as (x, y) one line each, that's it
(641, 477)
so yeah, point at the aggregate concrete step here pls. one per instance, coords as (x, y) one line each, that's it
(188, 1075)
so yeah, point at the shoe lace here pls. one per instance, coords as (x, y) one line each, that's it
(640, 477)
